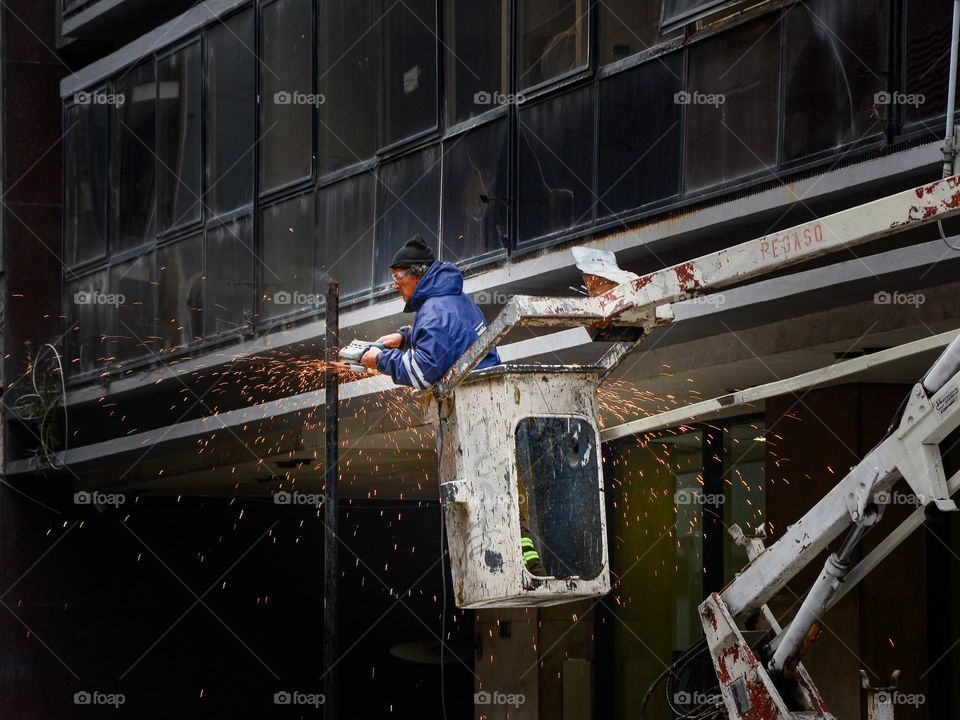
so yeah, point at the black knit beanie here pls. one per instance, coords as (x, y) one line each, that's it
(414, 252)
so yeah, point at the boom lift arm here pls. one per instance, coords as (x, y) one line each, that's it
(762, 678)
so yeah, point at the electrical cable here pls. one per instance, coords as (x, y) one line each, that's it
(443, 575)
(697, 647)
(944, 237)
(37, 406)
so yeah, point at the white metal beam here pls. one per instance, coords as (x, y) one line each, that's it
(820, 376)
(635, 303)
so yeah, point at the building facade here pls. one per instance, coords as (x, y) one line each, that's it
(183, 180)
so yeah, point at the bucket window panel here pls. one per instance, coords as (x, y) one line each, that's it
(559, 492)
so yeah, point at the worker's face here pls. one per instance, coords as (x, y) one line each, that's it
(404, 282)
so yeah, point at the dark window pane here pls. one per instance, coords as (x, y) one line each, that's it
(228, 302)
(85, 183)
(231, 103)
(477, 40)
(835, 72)
(687, 10)
(408, 204)
(628, 27)
(135, 286)
(732, 105)
(287, 92)
(133, 158)
(475, 165)
(640, 135)
(410, 52)
(556, 164)
(928, 59)
(554, 39)
(90, 312)
(349, 75)
(180, 274)
(346, 234)
(560, 484)
(287, 267)
(180, 125)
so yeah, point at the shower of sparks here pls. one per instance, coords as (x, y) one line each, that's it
(389, 451)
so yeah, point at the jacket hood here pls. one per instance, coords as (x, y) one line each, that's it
(442, 278)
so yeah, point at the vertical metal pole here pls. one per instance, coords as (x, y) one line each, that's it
(950, 145)
(330, 565)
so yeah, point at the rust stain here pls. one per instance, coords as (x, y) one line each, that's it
(723, 672)
(762, 705)
(686, 278)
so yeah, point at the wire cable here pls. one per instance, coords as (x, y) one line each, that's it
(944, 237)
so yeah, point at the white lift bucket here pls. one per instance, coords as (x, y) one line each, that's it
(520, 445)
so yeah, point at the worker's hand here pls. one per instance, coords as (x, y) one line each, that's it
(393, 340)
(369, 359)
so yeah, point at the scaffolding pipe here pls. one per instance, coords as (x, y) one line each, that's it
(332, 438)
(949, 145)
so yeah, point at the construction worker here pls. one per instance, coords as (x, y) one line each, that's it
(447, 322)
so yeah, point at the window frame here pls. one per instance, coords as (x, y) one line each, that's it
(261, 321)
(94, 262)
(114, 222)
(520, 245)
(213, 219)
(267, 196)
(591, 74)
(177, 231)
(570, 77)
(398, 148)
(215, 338)
(505, 114)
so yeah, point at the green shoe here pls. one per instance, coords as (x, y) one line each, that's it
(531, 558)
